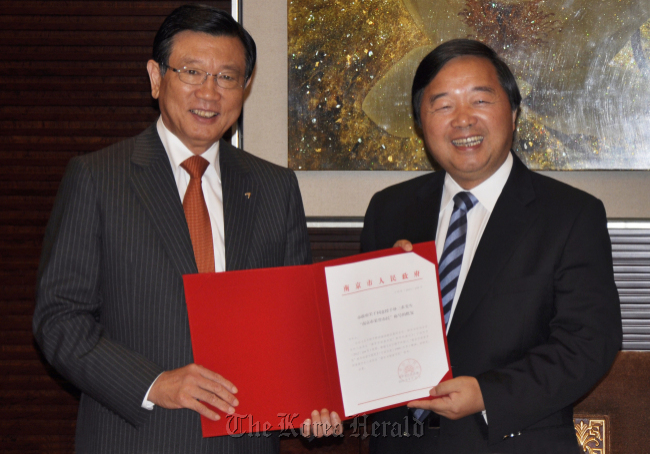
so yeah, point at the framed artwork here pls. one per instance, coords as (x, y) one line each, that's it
(583, 68)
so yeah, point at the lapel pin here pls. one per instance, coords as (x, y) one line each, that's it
(248, 195)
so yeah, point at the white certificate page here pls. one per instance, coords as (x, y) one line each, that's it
(388, 330)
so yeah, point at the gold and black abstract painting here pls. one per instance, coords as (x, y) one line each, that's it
(583, 68)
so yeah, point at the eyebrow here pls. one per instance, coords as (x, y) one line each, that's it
(190, 62)
(194, 61)
(434, 98)
(486, 89)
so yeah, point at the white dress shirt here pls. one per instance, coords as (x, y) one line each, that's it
(487, 194)
(212, 192)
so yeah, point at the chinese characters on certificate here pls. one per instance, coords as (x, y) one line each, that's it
(388, 330)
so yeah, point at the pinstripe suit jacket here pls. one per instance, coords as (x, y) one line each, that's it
(110, 310)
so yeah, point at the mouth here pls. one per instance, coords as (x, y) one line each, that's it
(468, 141)
(203, 113)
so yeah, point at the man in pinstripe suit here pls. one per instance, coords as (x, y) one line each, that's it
(110, 311)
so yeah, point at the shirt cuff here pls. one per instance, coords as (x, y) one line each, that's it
(146, 404)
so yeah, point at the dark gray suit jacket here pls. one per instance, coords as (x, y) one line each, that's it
(110, 309)
(538, 320)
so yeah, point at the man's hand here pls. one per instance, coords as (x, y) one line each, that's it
(457, 398)
(188, 386)
(322, 424)
(404, 244)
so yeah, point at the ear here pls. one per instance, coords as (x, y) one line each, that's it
(154, 77)
(514, 119)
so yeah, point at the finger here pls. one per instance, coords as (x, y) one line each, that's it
(305, 428)
(443, 389)
(218, 390)
(423, 404)
(404, 244)
(212, 399)
(210, 375)
(435, 392)
(447, 387)
(203, 410)
(316, 424)
(336, 423)
(327, 422)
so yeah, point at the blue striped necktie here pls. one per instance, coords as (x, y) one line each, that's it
(452, 259)
(452, 255)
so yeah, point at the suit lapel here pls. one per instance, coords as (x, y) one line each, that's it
(421, 216)
(240, 195)
(511, 218)
(153, 183)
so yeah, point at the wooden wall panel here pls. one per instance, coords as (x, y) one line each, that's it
(72, 80)
(333, 243)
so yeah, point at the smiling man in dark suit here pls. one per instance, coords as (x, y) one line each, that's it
(131, 219)
(532, 311)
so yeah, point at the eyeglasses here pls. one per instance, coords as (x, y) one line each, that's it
(224, 79)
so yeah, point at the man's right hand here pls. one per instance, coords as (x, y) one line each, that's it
(188, 386)
(404, 244)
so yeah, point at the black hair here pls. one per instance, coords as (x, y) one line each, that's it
(204, 19)
(441, 55)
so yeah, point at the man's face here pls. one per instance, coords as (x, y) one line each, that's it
(199, 115)
(467, 120)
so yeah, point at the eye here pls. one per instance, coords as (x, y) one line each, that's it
(227, 76)
(483, 101)
(192, 72)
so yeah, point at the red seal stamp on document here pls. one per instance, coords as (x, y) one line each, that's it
(409, 370)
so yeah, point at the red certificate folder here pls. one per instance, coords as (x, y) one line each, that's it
(269, 332)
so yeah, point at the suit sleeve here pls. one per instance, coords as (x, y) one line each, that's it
(368, 240)
(69, 304)
(298, 249)
(585, 334)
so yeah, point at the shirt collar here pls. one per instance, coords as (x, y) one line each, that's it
(487, 193)
(178, 152)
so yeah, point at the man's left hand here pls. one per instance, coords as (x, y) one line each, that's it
(456, 398)
(322, 424)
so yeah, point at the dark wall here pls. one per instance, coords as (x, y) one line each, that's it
(72, 80)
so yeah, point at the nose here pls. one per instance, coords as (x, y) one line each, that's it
(464, 117)
(209, 90)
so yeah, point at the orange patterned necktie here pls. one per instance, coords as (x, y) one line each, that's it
(196, 213)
